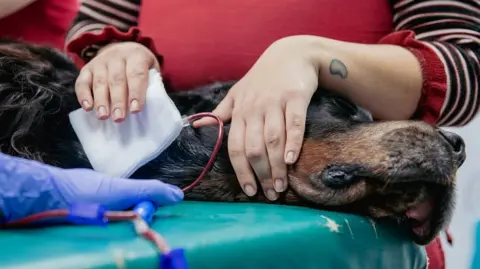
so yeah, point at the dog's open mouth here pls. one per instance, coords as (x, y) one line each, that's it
(419, 218)
(424, 208)
(426, 218)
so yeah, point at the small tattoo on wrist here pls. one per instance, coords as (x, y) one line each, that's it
(338, 68)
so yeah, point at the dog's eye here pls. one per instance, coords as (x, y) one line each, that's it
(347, 106)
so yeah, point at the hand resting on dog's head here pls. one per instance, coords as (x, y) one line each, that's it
(400, 170)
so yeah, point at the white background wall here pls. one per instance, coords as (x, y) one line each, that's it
(468, 200)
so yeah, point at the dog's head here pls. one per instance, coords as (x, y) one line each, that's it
(403, 170)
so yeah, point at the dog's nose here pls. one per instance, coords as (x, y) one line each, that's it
(457, 144)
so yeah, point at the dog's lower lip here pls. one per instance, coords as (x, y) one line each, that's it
(422, 211)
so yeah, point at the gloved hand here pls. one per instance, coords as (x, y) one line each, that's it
(29, 187)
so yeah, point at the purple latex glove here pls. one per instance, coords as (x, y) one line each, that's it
(28, 187)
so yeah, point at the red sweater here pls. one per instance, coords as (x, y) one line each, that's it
(217, 40)
(42, 22)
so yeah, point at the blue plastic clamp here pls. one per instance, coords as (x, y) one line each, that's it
(146, 210)
(175, 259)
(87, 214)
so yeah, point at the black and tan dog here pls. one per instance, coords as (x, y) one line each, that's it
(402, 170)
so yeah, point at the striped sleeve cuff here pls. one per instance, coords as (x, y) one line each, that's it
(450, 32)
(96, 18)
(87, 45)
(462, 76)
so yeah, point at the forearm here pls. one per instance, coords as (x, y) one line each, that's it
(444, 36)
(384, 79)
(428, 68)
(8, 7)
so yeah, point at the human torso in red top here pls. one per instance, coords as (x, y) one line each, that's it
(220, 40)
(42, 22)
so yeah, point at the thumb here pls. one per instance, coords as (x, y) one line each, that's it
(223, 111)
(132, 191)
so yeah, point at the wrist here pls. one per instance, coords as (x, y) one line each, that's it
(318, 52)
(311, 48)
(155, 61)
(107, 46)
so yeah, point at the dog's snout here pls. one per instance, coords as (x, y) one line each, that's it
(457, 144)
(455, 141)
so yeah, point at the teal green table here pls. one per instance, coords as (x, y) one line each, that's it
(221, 235)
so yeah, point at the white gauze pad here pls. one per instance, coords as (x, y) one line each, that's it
(119, 149)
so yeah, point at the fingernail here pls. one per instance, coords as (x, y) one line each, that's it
(176, 191)
(271, 194)
(102, 112)
(249, 190)
(290, 157)
(279, 186)
(134, 106)
(117, 114)
(86, 105)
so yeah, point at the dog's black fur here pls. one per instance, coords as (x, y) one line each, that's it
(348, 162)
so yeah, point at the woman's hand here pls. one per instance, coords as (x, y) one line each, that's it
(267, 108)
(116, 80)
(268, 105)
